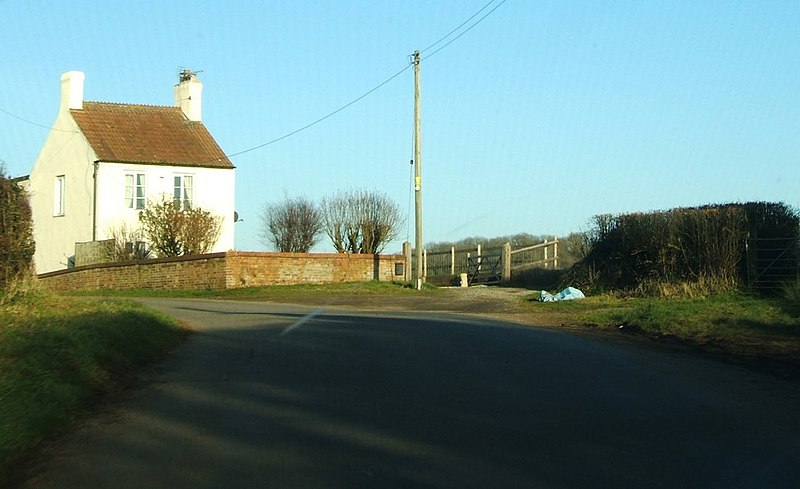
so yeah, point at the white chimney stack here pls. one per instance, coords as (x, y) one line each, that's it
(72, 90)
(188, 95)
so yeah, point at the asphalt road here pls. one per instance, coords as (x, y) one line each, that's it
(272, 396)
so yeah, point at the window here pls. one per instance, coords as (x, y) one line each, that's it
(58, 196)
(182, 192)
(134, 191)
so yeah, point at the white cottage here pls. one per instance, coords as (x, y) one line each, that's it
(102, 162)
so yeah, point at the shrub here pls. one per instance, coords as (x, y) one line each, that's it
(682, 251)
(172, 230)
(124, 244)
(16, 237)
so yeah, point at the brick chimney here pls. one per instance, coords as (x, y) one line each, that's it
(72, 90)
(188, 95)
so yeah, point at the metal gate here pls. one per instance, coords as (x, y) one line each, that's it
(772, 262)
(485, 269)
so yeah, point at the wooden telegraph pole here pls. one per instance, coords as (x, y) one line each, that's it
(418, 272)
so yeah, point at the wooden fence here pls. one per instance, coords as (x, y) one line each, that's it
(451, 263)
(542, 255)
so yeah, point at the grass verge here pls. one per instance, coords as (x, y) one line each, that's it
(278, 292)
(733, 322)
(59, 356)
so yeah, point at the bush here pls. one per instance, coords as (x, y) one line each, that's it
(124, 244)
(791, 294)
(685, 250)
(172, 230)
(538, 278)
(16, 237)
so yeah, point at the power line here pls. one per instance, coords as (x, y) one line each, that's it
(451, 41)
(352, 102)
(458, 27)
(33, 123)
(331, 114)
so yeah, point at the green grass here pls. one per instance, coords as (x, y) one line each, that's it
(736, 321)
(277, 292)
(59, 356)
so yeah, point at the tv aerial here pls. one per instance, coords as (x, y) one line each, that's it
(185, 74)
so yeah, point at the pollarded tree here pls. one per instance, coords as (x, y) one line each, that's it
(340, 223)
(360, 221)
(292, 225)
(172, 230)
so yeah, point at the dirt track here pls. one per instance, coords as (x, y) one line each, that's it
(471, 300)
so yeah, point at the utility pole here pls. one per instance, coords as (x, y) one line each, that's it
(418, 272)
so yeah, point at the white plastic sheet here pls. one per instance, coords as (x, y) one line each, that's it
(568, 294)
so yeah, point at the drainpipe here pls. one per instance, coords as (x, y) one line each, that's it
(94, 201)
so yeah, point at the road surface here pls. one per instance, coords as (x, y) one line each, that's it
(267, 396)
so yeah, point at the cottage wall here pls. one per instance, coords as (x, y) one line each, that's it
(213, 191)
(65, 153)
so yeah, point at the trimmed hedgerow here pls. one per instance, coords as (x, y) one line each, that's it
(715, 246)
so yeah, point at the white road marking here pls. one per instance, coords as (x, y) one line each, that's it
(301, 321)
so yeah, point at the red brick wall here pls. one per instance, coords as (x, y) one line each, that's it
(251, 268)
(226, 271)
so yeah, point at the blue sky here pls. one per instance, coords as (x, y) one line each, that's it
(541, 116)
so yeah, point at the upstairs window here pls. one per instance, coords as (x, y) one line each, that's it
(58, 195)
(134, 191)
(182, 194)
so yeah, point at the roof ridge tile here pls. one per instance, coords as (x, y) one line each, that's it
(98, 102)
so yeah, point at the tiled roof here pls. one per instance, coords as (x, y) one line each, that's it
(147, 134)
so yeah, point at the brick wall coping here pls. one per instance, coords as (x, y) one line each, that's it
(211, 256)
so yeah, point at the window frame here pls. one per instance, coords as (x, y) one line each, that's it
(135, 191)
(59, 195)
(183, 190)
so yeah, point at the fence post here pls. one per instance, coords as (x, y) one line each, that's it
(452, 260)
(546, 265)
(506, 259)
(555, 252)
(479, 258)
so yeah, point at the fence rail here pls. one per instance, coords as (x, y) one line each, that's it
(770, 262)
(539, 255)
(453, 262)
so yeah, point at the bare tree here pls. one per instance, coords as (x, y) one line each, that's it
(201, 231)
(174, 231)
(292, 225)
(360, 221)
(124, 243)
(338, 222)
